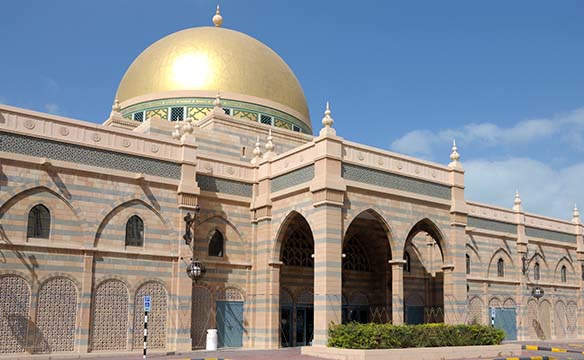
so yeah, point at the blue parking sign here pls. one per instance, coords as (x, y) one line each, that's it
(147, 303)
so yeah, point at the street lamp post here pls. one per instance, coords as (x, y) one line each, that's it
(195, 269)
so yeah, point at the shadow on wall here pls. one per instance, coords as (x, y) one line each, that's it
(20, 327)
(538, 329)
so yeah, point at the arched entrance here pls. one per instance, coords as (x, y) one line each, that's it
(423, 277)
(366, 275)
(296, 277)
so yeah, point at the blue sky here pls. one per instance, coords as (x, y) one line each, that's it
(506, 78)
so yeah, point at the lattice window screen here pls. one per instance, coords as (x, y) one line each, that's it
(355, 256)
(14, 305)
(156, 318)
(202, 315)
(298, 250)
(56, 316)
(109, 323)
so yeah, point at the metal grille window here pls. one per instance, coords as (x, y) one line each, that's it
(296, 128)
(265, 119)
(356, 256)
(39, 222)
(135, 231)
(501, 268)
(139, 116)
(216, 243)
(177, 113)
(298, 250)
(227, 111)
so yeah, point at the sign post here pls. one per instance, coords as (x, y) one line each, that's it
(147, 307)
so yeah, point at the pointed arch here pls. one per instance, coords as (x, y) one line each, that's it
(286, 227)
(431, 228)
(501, 253)
(221, 219)
(372, 213)
(570, 270)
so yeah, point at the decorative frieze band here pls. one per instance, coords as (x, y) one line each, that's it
(394, 181)
(214, 184)
(43, 148)
(293, 178)
(550, 235)
(491, 225)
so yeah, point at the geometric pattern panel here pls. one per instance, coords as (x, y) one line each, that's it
(156, 317)
(229, 294)
(356, 258)
(202, 315)
(560, 322)
(394, 181)
(109, 321)
(495, 302)
(492, 225)
(550, 235)
(56, 316)
(86, 155)
(293, 178)
(534, 326)
(572, 320)
(213, 184)
(14, 303)
(475, 311)
(509, 303)
(545, 319)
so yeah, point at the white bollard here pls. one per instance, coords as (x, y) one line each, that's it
(211, 339)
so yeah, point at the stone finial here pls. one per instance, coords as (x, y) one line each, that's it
(327, 122)
(217, 19)
(517, 202)
(116, 105)
(257, 152)
(217, 101)
(454, 157)
(182, 129)
(269, 146)
(576, 215)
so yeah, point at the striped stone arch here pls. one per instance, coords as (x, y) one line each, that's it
(501, 253)
(110, 316)
(15, 296)
(284, 228)
(431, 227)
(377, 215)
(56, 316)
(157, 317)
(475, 310)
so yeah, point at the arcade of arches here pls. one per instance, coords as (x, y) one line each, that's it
(367, 276)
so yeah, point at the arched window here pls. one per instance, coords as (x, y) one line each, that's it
(467, 263)
(501, 268)
(216, 243)
(536, 274)
(407, 263)
(135, 231)
(39, 222)
(563, 273)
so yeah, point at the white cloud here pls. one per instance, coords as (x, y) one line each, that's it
(424, 142)
(544, 190)
(52, 108)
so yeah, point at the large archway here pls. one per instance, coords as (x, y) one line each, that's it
(367, 277)
(296, 282)
(423, 276)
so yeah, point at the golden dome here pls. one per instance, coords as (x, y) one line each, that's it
(214, 59)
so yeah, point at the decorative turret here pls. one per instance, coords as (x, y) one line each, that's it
(576, 215)
(455, 157)
(327, 122)
(517, 202)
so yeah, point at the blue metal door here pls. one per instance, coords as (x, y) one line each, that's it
(414, 315)
(506, 319)
(230, 323)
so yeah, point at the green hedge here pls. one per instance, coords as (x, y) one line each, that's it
(387, 336)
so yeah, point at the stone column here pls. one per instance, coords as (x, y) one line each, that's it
(83, 320)
(327, 270)
(397, 291)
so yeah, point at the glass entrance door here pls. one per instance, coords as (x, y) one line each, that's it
(304, 325)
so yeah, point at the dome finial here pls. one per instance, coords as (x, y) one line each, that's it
(327, 122)
(116, 106)
(454, 157)
(217, 19)
(517, 202)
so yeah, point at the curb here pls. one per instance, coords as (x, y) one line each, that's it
(550, 349)
(528, 358)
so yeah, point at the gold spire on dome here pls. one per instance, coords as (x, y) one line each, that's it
(217, 19)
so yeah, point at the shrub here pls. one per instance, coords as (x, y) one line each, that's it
(387, 336)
